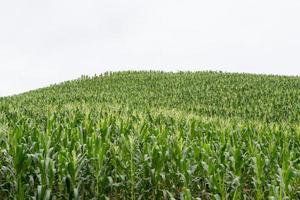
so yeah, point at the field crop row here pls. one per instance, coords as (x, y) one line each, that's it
(153, 135)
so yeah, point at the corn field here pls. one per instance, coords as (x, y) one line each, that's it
(153, 135)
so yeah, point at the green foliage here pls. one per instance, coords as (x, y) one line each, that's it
(153, 135)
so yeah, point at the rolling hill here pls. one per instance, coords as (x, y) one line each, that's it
(153, 135)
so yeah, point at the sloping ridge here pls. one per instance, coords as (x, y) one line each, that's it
(153, 135)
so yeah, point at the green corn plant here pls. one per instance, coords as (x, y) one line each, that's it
(153, 135)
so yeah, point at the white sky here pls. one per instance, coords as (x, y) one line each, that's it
(43, 42)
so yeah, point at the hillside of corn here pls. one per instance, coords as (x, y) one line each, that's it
(153, 135)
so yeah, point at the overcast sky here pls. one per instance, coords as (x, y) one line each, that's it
(44, 42)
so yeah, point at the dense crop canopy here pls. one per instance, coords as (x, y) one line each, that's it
(153, 135)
